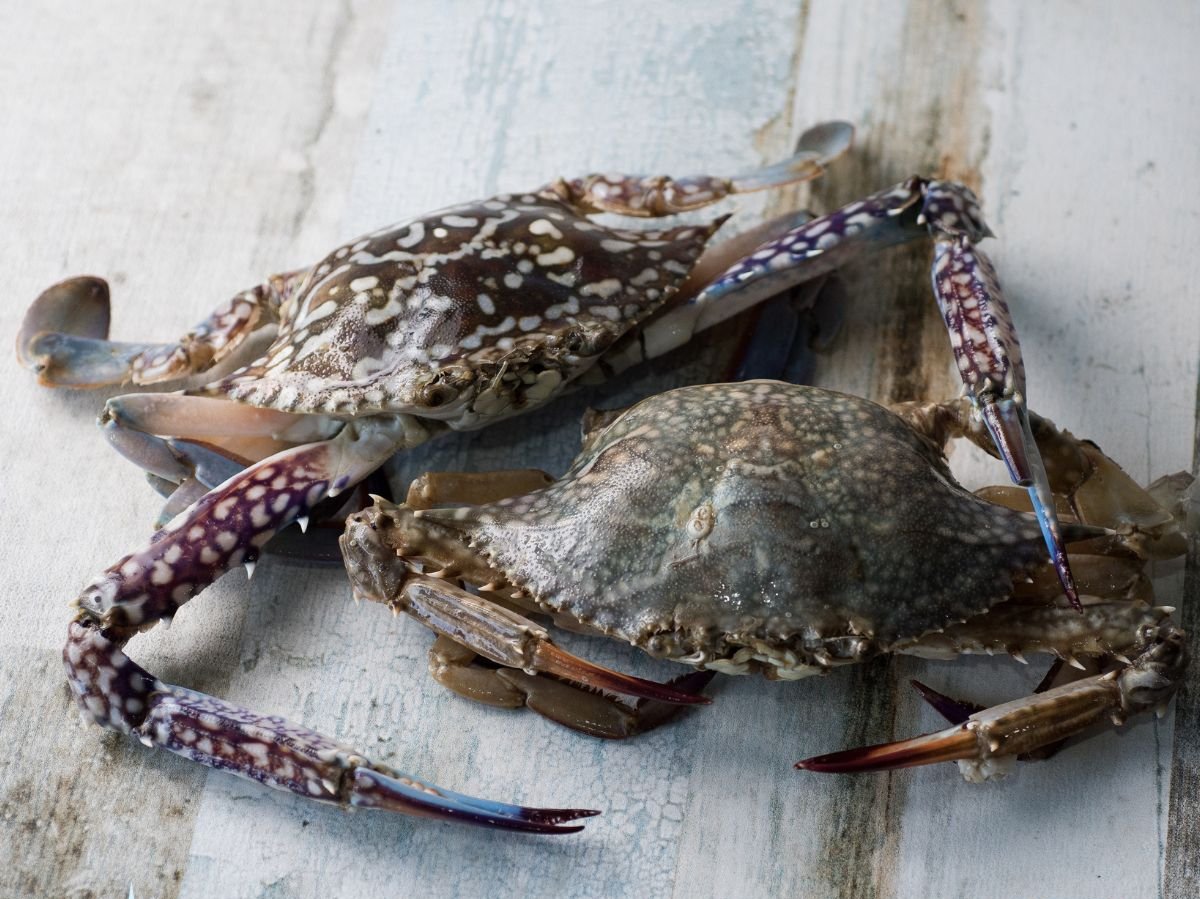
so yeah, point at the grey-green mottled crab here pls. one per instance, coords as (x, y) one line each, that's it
(750, 528)
(452, 321)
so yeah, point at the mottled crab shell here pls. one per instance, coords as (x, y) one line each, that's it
(463, 315)
(762, 515)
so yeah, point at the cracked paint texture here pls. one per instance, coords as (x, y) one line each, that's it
(238, 140)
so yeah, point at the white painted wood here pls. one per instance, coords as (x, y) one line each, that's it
(1079, 167)
(190, 152)
(183, 152)
(1082, 180)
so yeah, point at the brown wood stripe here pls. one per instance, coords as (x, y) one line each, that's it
(1181, 865)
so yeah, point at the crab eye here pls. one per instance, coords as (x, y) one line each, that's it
(438, 395)
(701, 521)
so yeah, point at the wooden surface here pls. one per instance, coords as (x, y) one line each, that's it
(185, 151)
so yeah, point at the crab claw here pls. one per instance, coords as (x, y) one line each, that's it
(499, 634)
(988, 356)
(815, 149)
(398, 792)
(64, 337)
(948, 745)
(554, 660)
(1008, 422)
(988, 742)
(115, 692)
(77, 306)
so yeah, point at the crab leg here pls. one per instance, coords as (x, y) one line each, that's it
(224, 529)
(957, 711)
(231, 523)
(181, 415)
(1090, 484)
(653, 196)
(240, 433)
(64, 337)
(184, 470)
(989, 363)
(908, 211)
(117, 693)
(473, 488)
(131, 423)
(596, 714)
(1028, 626)
(987, 741)
(173, 461)
(510, 639)
(724, 285)
(178, 495)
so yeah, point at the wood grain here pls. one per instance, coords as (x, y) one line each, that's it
(185, 153)
(182, 153)
(1181, 867)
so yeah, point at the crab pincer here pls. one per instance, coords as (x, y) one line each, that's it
(988, 742)
(64, 336)
(115, 692)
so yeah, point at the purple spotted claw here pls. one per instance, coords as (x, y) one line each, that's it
(228, 527)
(988, 356)
(115, 692)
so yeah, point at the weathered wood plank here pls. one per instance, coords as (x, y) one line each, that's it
(1008, 122)
(183, 153)
(1181, 866)
(1081, 159)
(244, 141)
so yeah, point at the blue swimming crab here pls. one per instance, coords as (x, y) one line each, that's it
(452, 321)
(751, 528)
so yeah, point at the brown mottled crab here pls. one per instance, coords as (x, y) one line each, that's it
(750, 528)
(450, 322)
